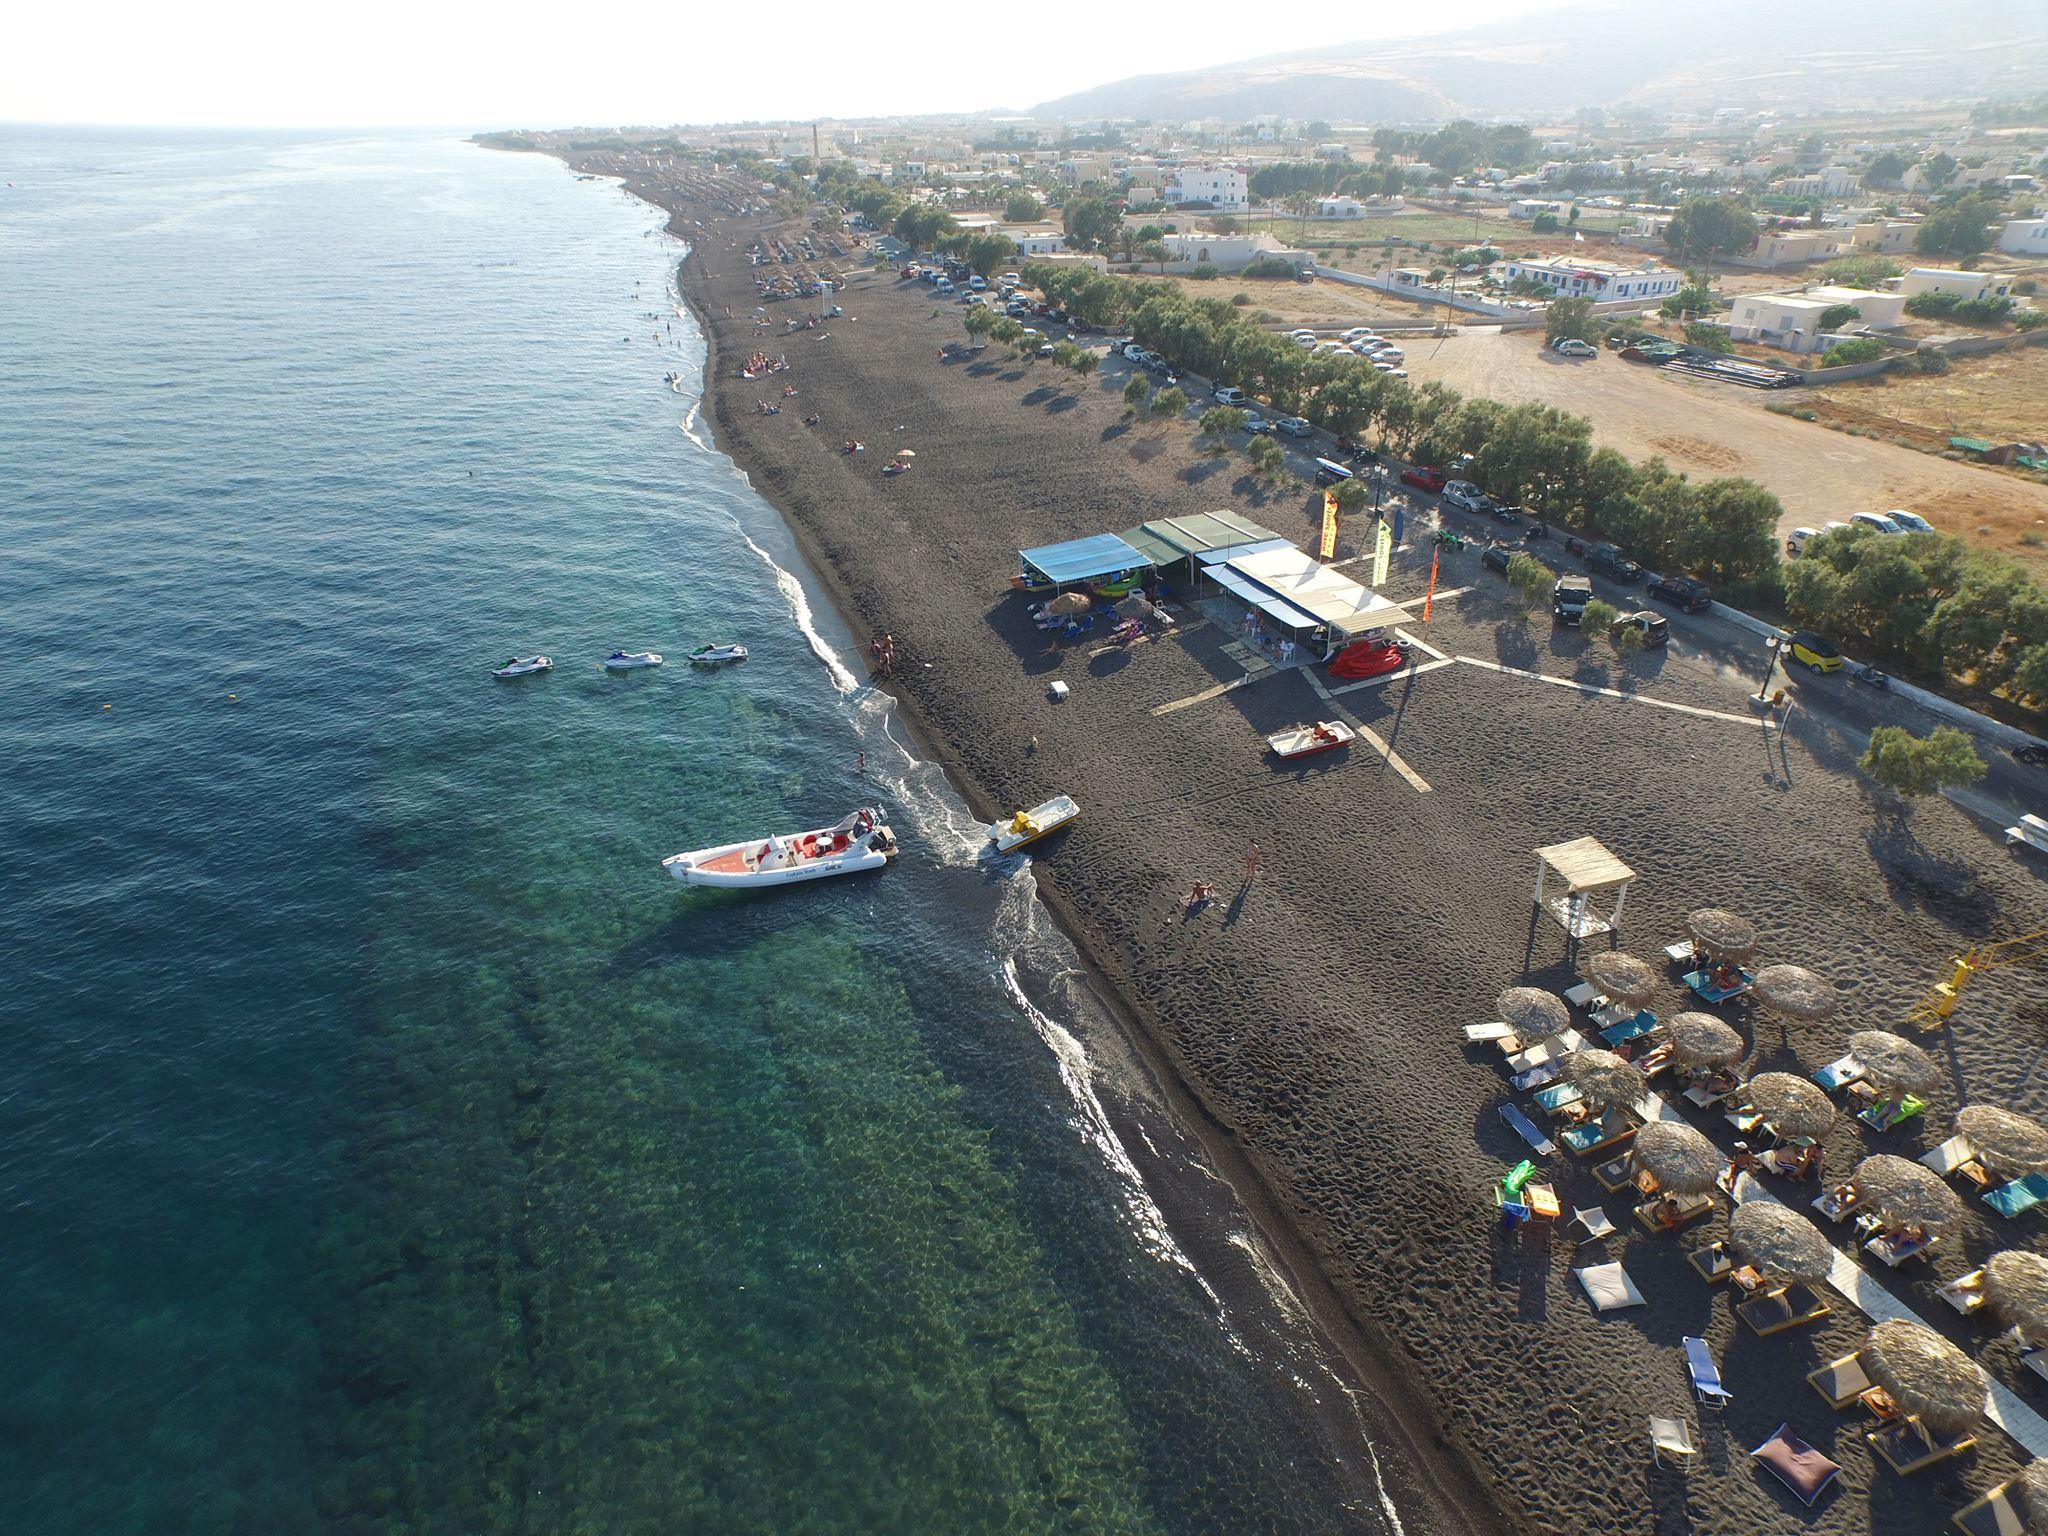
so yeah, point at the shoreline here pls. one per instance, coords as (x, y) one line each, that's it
(1442, 1489)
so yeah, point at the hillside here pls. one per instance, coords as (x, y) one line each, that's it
(1697, 54)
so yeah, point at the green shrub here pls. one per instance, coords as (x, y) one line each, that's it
(1267, 267)
(1136, 391)
(1204, 274)
(1910, 766)
(1598, 617)
(1170, 401)
(1530, 580)
(1951, 306)
(1240, 299)
(1835, 316)
(1931, 360)
(1266, 455)
(1865, 349)
(1709, 338)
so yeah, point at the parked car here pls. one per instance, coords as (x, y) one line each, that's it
(1569, 597)
(1571, 346)
(1466, 496)
(1258, 426)
(1391, 371)
(1609, 561)
(1352, 448)
(2033, 754)
(1225, 395)
(1910, 522)
(1356, 333)
(1294, 426)
(1682, 592)
(1015, 310)
(1797, 540)
(1423, 477)
(1876, 522)
(944, 285)
(1013, 278)
(1308, 341)
(1512, 516)
(977, 282)
(1653, 627)
(1045, 349)
(1496, 557)
(1392, 355)
(1814, 651)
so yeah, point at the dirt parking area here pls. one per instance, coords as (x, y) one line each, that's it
(1715, 429)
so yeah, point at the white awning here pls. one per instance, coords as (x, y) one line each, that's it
(1307, 584)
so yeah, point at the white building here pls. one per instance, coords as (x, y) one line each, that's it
(1529, 207)
(2024, 237)
(1601, 281)
(1792, 321)
(1034, 239)
(1964, 285)
(1340, 208)
(1220, 186)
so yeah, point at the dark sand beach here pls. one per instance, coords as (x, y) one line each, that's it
(1313, 1016)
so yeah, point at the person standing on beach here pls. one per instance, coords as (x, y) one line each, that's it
(1251, 863)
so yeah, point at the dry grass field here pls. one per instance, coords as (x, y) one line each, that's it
(2003, 397)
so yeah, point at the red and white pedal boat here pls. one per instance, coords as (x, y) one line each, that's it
(1307, 740)
(862, 841)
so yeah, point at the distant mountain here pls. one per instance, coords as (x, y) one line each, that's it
(1683, 54)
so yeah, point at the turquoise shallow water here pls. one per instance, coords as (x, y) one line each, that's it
(385, 1144)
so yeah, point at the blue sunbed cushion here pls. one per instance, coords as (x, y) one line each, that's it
(1706, 1375)
(2018, 1197)
(1633, 1028)
(1526, 1128)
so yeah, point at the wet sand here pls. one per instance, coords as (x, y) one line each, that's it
(1311, 1018)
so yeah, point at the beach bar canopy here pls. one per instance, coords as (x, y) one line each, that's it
(1098, 555)
(1299, 592)
(1202, 537)
(1585, 870)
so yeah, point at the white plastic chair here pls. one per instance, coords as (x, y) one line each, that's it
(1671, 1438)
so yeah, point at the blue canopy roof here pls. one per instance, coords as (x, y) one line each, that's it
(1101, 554)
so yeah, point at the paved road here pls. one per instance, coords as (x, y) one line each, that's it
(1719, 429)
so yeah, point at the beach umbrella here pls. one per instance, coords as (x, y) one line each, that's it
(1896, 1065)
(1796, 992)
(1701, 1040)
(1068, 602)
(1780, 1241)
(1679, 1158)
(1134, 607)
(1624, 978)
(2011, 1143)
(2016, 1284)
(1604, 1080)
(1925, 1374)
(1722, 934)
(1791, 1106)
(906, 453)
(1533, 1012)
(1909, 1194)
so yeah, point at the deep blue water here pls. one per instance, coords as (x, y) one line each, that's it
(385, 1143)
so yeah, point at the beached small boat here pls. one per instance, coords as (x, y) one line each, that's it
(1029, 826)
(860, 842)
(622, 661)
(1307, 740)
(712, 655)
(520, 666)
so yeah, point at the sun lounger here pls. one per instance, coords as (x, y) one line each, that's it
(1709, 1093)
(1543, 1052)
(1894, 1251)
(1608, 1287)
(1747, 1122)
(1965, 1293)
(1650, 1214)
(1557, 1098)
(1679, 953)
(1610, 1130)
(2031, 830)
(1592, 1224)
(2036, 1360)
(1634, 1027)
(1607, 1015)
(1702, 984)
(1584, 995)
(1526, 1128)
(2018, 1197)
(1617, 1173)
(1996, 1513)
(1796, 1464)
(1949, 1158)
(1790, 1306)
(1537, 1077)
(1711, 1263)
(1834, 1207)
(1841, 1381)
(1909, 1446)
(1883, 1117)
(1706, 1375)
(1840, 1072)
(1672, 1438)
(1658, 1060)
(1481, 1034)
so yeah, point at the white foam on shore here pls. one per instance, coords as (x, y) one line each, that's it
(800, 610)
(1379, 1484)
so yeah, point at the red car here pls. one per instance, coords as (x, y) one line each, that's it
(1424, 478)
(1369, 658)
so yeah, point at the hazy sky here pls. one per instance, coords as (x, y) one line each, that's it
(451, 62)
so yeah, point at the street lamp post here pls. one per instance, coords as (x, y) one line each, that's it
(1762, 697)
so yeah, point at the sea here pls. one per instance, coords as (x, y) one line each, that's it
(387, 1144)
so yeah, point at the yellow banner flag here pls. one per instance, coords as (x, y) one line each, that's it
(1329, 545)
(1382, 554)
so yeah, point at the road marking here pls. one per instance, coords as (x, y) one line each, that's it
(1394, 759)
(1204, 696)
(1421, 644)
(1612, 693)
(1389, 677)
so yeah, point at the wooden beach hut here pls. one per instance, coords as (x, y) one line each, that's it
(1575, 879)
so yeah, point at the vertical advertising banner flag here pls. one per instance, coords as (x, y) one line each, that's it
(1429, 597)
(1382, 554)
(1329, 544)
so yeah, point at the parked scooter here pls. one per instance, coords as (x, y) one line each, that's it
(1870, 677)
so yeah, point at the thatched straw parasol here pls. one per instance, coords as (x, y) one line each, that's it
(1796, 992)
(2016, 1284)
(1624, 978)
(1069, 603)
(1910, 1195)
(1780, 1241)
(1925, 1374)
(1679, 1158)
(1896, 1065)
(1701, 1040)
(1533, 1012)
(2011, 1143)
(1722, 934)
(1790, 1105)
(1604, 1080)
(2034, 1490)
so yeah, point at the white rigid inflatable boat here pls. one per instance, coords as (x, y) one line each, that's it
(862, 841)
(520, 666)
(620, 661)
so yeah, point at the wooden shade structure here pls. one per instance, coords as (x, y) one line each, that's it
(1572, 877)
